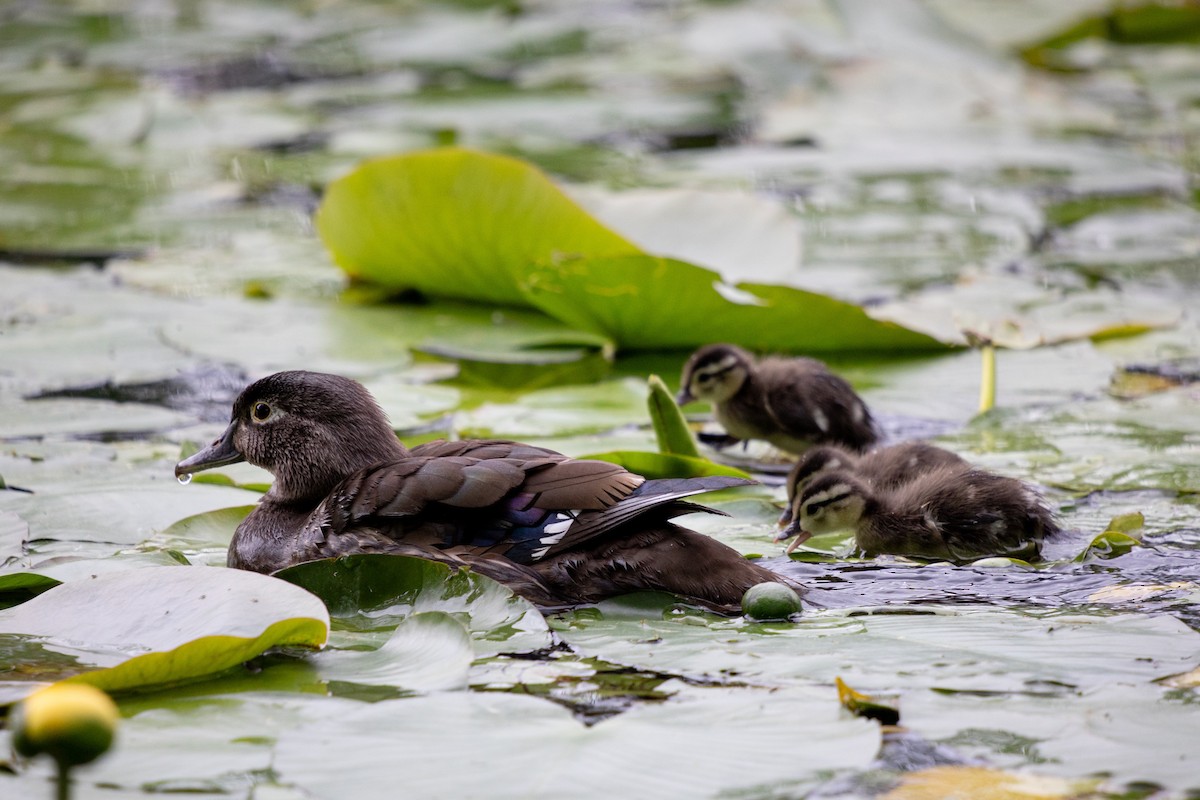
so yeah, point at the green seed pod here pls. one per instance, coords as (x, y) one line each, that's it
(768, 602)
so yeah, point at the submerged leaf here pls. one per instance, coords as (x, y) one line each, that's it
(455, 223)
(159, 625)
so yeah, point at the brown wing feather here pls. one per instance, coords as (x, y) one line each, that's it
(589, 485)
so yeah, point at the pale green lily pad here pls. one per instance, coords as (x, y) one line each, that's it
(373, 591)
(536, 749)
(13, 533)
(154, 626)
(428, 651)
(454, 223)
(204, 537)
(648, 302)
(558, 411)
(978, 651)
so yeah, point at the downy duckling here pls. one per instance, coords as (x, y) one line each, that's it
(558, 530)
(793, 403)
(883, 468)
(947, 513)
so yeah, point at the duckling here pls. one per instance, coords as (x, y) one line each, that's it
(946, 513)
(883, 468)
(557, 530)
(793, 403)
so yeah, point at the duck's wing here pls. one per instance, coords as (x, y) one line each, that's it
(654, 501)
(521, 508)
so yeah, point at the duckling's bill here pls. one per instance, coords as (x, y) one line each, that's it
(218, 454)
(801, 538)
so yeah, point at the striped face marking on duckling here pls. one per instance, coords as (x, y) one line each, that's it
(815, 462)
(714, 374)
(830, 508)
(717, 382)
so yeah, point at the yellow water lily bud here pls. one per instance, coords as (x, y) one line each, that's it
(72, 722)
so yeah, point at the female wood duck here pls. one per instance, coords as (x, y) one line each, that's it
(557, 530)
(793, 403)
(946, 513)
(883, 468)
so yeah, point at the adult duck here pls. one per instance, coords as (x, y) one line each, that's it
(557, 530)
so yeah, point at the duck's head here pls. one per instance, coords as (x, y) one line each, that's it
(815, 461)
(714, 374)
(309, 429)
(834, 501)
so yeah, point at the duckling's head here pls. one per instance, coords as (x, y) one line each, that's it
(834, 501)
(714, 373)
(815, 461)
(309, 429)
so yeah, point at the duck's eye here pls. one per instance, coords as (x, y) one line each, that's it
(261, 412)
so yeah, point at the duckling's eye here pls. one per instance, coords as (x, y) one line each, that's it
(261, 412)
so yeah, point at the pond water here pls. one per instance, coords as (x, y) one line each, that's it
(160, 163)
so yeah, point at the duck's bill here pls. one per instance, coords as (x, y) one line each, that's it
(801, 538)
(684, 397)
(785, 520)
(218, 454)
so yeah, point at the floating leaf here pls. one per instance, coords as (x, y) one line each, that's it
(454, 223)
(14, 533)
(670, 428)
(864, 705)
(160, 625)
(538, 749)
(17, 585)
(1116, 540)
(648, 302)
(365, 590)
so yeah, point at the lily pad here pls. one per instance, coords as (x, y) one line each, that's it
(454, 223)
(161, 625)
(537, 749)
(13, 534)
(376, 590)
(648, 302)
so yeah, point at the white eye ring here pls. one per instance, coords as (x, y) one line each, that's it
(261, 412)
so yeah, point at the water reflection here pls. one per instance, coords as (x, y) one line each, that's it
(1156, 577)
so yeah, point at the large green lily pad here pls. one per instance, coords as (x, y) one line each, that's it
(161, 625)
(454, 223)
